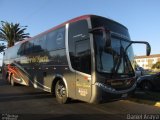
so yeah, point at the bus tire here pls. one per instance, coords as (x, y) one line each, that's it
(12, 81)
(61, 92)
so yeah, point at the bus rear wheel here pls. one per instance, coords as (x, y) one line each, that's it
(61, 92)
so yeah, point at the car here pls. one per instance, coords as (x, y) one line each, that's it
(149, 82)
(139, 71)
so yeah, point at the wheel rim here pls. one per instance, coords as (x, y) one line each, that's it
(61, 89)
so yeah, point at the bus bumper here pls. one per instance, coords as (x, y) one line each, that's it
(103, 93)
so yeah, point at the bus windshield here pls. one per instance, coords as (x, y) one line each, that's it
(113, 59)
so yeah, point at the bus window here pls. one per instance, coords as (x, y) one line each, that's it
(21, 49)
(37, 47)
(55, 39)
(79, 46)
(42, 42)
(28, 47)
(83, 57)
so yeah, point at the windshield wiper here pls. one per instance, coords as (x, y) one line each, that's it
(117, 63)
(126, 63)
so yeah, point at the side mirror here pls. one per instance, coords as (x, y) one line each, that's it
(148, 47)
(105, 35)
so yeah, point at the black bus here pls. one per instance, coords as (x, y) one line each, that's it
(89, 58)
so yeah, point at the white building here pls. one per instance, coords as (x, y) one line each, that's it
(2, 42)
(147, 61)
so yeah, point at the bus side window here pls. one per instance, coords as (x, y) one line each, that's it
(37, 47)
(79, 46)
(42, 42)
(21, 49)
(55, 39)
(27, 48)
(83, 57)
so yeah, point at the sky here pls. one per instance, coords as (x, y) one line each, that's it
(141, 17)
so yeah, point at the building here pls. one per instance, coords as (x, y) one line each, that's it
(147, 61)
(2, 43)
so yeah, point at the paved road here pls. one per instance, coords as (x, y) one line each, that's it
(33, 103)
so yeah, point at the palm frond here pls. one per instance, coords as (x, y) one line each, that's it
(12, 32)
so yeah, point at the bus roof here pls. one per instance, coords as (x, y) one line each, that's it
(56, 27)
(69, 21)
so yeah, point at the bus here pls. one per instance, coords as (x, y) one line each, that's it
(89, 58)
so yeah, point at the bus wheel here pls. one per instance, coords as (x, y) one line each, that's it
(12, 81)
(61, 92)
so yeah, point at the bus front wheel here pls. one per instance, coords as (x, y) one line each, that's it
(61, 92)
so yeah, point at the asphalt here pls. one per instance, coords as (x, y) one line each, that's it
(22, 102)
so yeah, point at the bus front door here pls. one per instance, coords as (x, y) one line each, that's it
(83, 70)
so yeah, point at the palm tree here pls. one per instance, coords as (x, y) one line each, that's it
(156, 65)
(12, 33)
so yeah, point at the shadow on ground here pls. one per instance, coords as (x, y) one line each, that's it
(146, 97)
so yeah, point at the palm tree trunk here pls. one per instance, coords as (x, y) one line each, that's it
(10, 43)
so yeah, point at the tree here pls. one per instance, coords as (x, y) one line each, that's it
(156, 65)
(12, 33)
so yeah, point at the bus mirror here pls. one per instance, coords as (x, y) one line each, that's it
(148, 47)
